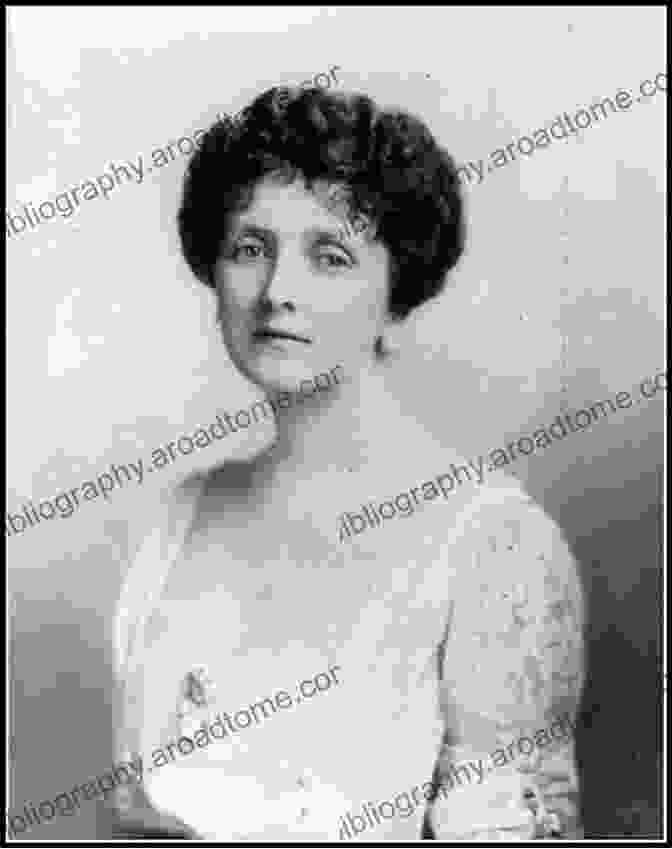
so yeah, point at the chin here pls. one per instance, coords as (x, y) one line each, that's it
(275, 374)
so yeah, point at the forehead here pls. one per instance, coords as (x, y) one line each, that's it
(277, 204)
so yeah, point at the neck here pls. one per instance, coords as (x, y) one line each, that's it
(337, 430)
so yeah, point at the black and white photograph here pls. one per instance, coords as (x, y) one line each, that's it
(337, 378)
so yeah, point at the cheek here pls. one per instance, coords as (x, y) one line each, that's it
(371, 294)
(239, 303)
(369, 303)
(355, 320)
(237, 294)
(232, 318)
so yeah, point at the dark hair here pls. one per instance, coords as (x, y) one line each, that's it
(396, 174)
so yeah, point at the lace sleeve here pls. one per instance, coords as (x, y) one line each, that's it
(511, 677)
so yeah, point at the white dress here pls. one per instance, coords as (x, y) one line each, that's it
(413, 653)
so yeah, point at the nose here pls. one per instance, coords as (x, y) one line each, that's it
(290, 306)
(282, 286)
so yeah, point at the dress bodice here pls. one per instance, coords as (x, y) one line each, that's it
(300, 769)
(327, 683)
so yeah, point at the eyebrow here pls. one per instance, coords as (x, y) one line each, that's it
(249, 229)
(323, 233)
(339, 235)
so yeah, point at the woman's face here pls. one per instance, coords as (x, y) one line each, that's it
(299, 293)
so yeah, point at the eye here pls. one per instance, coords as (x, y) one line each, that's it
(332, 260)
(247, 251)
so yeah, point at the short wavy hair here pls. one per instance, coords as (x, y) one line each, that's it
(395, 173)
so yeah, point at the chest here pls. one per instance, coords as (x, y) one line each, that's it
(262, 618)
(267, 585)
(339, 643)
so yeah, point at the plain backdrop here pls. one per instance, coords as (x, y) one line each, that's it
(113, 348)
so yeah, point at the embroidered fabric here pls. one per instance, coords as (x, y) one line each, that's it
(519, 801)
(512, 664)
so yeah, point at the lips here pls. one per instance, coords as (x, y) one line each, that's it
(272, 333)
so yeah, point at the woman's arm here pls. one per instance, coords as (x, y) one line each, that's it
(511, 669)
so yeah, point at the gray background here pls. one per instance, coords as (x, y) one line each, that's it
(113, 348)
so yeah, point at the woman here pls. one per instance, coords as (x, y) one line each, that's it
(448, 636)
